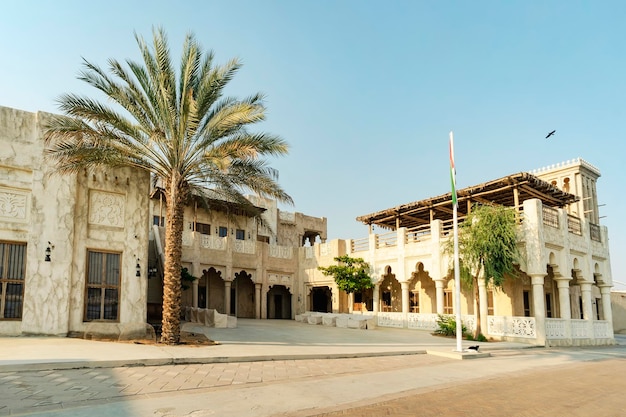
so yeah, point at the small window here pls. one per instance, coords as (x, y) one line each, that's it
(158, 221)
(447, 302)
(414, 302)
(549, 305)
(12, 267)
(490, 303)
(102, 287)
(526, 295)
(203, 228)
(223, 231)
(240, 234)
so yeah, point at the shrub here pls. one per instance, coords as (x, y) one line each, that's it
(447, 326)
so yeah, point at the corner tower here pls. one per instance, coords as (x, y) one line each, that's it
(578, 177)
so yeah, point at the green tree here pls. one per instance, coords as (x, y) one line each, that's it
(487, 248)
(351, 275)
(179, 127)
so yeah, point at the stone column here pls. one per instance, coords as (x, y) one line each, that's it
(194, 293)
(605, 291)
(405, 297)
(350, 302)
(257, 301)
(585, 290)
(483, 307)
(376, 300)
(227, 285)
(439, 284)
(564, 299)
(539, 307)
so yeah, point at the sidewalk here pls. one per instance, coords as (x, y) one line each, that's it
(252, 340)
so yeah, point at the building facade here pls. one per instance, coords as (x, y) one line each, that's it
(83, 253)
(71, 246)
(562, 294)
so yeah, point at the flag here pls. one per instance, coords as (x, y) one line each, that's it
(452, 171)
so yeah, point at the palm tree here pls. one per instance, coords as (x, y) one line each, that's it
(178, 127)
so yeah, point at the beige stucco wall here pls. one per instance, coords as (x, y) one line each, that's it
(618, 303)
(42, 207)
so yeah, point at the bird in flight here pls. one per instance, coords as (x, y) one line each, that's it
(550, 134)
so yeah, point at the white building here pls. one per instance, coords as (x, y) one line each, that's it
(562, 297)
(82, 254)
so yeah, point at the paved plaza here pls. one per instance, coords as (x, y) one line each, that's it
(284, 368)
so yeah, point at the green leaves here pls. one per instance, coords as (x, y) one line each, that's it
(352, 275)
(488, 244)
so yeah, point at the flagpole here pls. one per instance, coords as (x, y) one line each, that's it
(457, 273)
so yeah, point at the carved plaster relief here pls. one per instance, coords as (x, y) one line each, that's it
(106, 209)
(14, 204)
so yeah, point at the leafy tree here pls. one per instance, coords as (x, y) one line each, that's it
(352, 275)
(179, 127)
(487, 246)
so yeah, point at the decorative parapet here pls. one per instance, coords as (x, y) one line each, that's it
(213, 242)
(325, 249)
(308, 252)
(287, 217)
(284, 252)
(187, 238)
(524, 327)
(422, 321)
(568, 163)
(244, 246)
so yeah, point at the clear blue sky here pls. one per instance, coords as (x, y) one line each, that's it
(366, 92)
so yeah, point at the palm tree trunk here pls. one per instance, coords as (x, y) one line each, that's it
(175, 199)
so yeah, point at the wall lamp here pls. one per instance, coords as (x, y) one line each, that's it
(49, 252)
(138, 269)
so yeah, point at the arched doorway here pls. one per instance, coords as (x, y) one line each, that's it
(321, 299)
(278, 302)
(242, 296)
(390, 293)
(211, 290)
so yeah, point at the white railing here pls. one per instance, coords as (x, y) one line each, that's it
(386, 239)
(386, 319)
(421, 321)
(580, 329)
(213, 242)
(284, 252)
(360, 245)
(557, 329)
(512, 326)
(602, 329)
(417, 234)
(244, 246)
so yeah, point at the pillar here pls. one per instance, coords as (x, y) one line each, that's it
(257, 301)
(483, 307)
(439, 284)
(585, 290)
(565, 307)
(194, 293)
(539, 307)
(227, 285)
(376, 296)
(405, 297)
(607, 312)
(350, 302)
